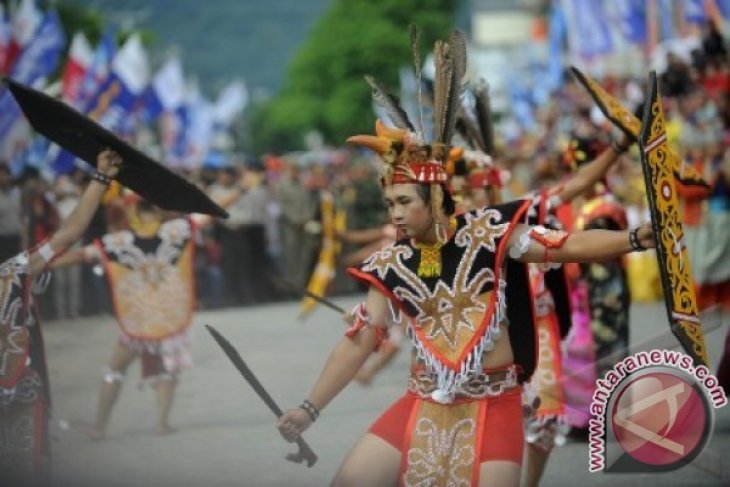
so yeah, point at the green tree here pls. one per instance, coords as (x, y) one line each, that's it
(75, 18)
(325, 89)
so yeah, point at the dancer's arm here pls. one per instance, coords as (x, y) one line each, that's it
(593, 172)
(76, 257)
(73, 227)
(585, 246)
(343, 363)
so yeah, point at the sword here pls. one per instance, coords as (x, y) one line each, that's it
(305, 453)
(306, 292)
(324, 301)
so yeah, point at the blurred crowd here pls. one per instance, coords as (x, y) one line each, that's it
(268, 247)
(264, 251)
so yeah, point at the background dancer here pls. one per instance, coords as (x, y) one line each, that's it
(24, 389)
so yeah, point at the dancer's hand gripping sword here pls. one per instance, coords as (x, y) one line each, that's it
(305, 453)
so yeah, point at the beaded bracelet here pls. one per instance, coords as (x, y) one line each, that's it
(634, 240)
(102, 178)
(310, 409)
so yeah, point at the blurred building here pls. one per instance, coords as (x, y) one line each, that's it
(500, 32)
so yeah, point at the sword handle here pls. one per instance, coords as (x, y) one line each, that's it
(304, 453)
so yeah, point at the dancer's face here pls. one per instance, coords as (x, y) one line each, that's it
(410, 214)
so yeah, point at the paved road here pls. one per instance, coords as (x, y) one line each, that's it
(226, 436)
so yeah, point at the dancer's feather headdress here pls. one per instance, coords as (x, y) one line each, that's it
(408, 157)
(474, 124)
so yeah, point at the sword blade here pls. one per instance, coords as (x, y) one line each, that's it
(305, 452)
(306, 292)
(238, 362)
(324, 301)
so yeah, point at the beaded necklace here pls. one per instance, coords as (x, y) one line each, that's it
(430, 263)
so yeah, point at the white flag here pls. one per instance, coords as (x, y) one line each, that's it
(200, 129)
(131, 64)
(231, 102)
(169, 84)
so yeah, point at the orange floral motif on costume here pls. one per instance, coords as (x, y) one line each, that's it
(481, 230)
(446, 314)
(389, 258)
(442, 450)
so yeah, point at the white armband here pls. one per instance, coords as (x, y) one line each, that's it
(549, 239)
(554, 201)
(91, 253)
(46, 252)
(520, 247)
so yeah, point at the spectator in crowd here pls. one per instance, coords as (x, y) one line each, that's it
(713, 43)
(297, 209)
(676, 80)
(226, 192)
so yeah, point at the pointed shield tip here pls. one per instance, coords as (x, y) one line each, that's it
(82, 136)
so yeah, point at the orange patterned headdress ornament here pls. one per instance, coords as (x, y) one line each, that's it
(405, 158)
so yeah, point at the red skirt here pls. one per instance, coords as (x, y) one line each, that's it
(501, 429)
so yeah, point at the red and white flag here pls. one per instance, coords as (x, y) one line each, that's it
(80, 56)
(23, 24)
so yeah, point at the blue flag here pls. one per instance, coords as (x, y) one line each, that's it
(99, 70)
(119, 93)
(724, 7)
(632, 18)
(175, 135)
(588, 30)
(151, 108)
(62, 161)
(38, 59)
(556, 34)
(694, 11)
(666, 18)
